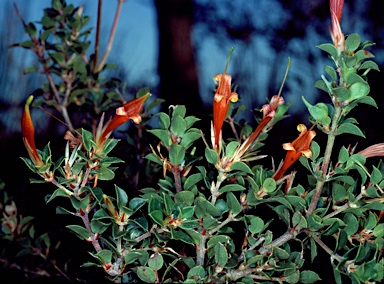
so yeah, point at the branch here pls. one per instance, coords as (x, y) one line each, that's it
(278, 242)
(326, 248)
(97, 39)
(327, 157)
(111, 37)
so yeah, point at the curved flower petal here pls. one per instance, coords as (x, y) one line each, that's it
(28, 131)
(129, 111)
(300, 146)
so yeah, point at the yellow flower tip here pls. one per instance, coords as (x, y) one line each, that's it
(217, 78)
(29, 101)
(301, 127)
(136, 119)
(234, 97)
(217, 98)
(288, 146)
(307, 153)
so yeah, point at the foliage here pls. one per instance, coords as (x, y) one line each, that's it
(201, 221)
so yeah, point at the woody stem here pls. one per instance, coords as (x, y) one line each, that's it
(327, 157)
(176, 175)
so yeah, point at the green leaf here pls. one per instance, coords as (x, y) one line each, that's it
(165, 121)
(136, 203)
(369, 65)
(176, 154)
(341, 92)
(313, 249)
(352, 42)
(146, 274)
(157, 217)
(280, 253)
(315, 149)
(190, 120)
(136, 254)
(178, 125)
(81, 232)
(218, 239)
(269, 185)
(308, 276)
(329, 48)
(231, 148)
(87, 138)
(185, 197)
(162, 135)
(242, 167)
(320, 84)
(376, 175)
(318, 111)
(211, 156)
(350, 128)
(299, 221)
(58, 57)
(105, 255)
(30, 70)
(378, 231)
(192, 180)
(196, 273)
(221, 255)
(331, 72)
(59, 192)
(233, 204)
(205, 208)
(188, 139)
(256, 226)
(358, 90)
(231, 187)
(338, 192)
(179, 235)
(156, 261)
(343, 155)
(105, 173)
(351, 224)
(122, 197)
(179, 110)
(314, 222)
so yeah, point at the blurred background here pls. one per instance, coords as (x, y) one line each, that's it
(176, 47)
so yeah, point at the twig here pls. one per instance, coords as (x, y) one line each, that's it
(344, 207)
(326, 248)
(176, 175)
(278, 242)
(327, 157)
(111, 37)
(97, 39)
(93, 238)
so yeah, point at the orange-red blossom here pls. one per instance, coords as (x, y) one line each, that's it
(223, 96)
(28, 132)
(129, 111)
(300, 146)
(336, 7)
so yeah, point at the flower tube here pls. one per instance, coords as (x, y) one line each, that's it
(28, 132)
(129, 111)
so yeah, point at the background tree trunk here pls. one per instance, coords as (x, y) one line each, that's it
(176, 65)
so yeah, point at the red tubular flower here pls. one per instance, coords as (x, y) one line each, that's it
(221, 101)
(300, 146)
(376, 150)
(336, 7)
(129, 111)
(28, 132)
(269, 112)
